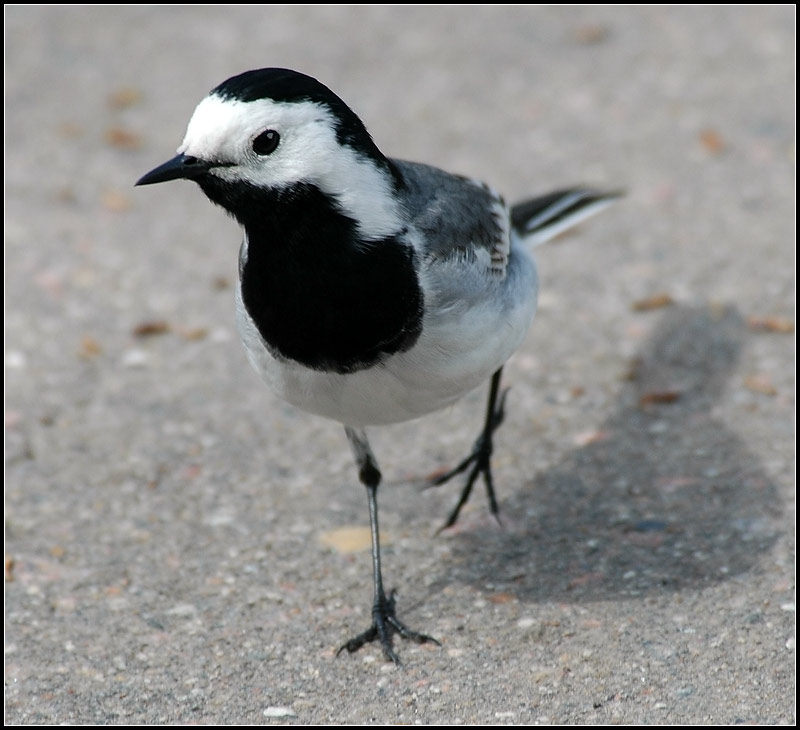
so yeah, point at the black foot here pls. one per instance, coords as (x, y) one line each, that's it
(480, 461)
(384, 625)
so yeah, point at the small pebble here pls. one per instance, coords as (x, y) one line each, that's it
(135, 359)
(279, 712)
(15, 359)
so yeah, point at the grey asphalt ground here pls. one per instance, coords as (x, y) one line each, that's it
(174, 534)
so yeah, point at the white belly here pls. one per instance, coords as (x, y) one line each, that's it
(463, 342)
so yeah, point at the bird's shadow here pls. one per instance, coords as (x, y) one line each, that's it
(664, 497)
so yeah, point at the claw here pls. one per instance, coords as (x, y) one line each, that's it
(384, 625)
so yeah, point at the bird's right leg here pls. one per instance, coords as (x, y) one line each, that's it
(384, 620)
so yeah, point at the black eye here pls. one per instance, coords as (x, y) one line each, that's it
(266, 142)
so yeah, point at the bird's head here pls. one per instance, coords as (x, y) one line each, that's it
(274, 129)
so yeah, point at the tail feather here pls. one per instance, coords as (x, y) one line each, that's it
(540, 219)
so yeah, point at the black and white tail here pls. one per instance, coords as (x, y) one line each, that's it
(540, 219)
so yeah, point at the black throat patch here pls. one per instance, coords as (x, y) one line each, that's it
(317, 294)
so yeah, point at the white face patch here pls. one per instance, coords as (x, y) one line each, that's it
(223, 130)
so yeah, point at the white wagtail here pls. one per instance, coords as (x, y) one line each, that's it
(371, 290)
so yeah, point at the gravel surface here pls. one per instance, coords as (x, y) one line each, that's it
(181, 547)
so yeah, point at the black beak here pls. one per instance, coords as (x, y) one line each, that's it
(179, 167)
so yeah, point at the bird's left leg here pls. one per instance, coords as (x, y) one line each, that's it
(384, 620)
(480, 457)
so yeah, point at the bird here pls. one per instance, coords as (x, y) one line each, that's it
(371, 290)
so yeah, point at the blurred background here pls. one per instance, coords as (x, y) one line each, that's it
(182, 547)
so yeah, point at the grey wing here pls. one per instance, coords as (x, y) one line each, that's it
(455, 217)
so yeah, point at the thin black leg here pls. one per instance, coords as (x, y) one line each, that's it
(480, 457)
(384, 620)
